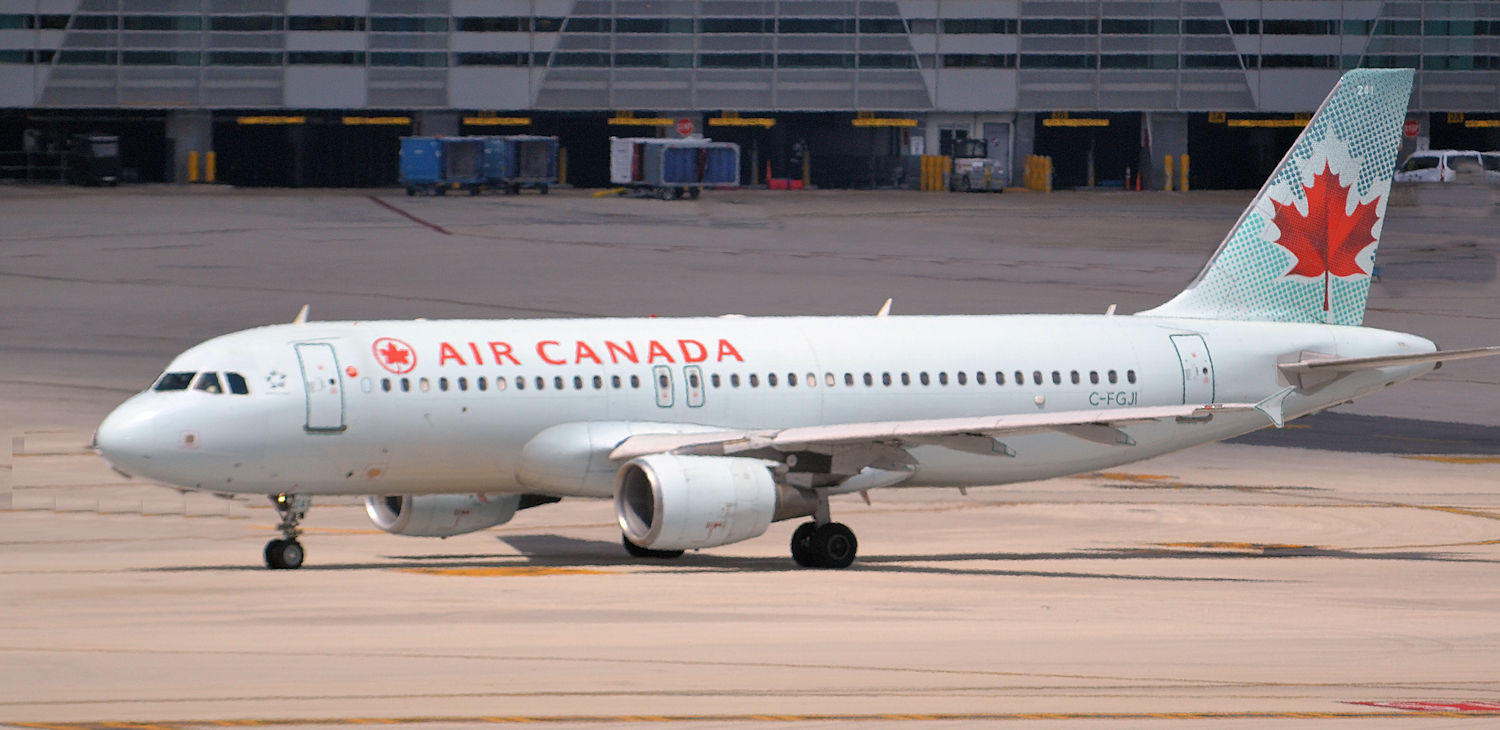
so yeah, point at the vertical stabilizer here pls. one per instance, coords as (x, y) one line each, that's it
(1305, 248)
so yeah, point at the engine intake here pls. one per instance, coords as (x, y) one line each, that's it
(441, 515)
(671, 502)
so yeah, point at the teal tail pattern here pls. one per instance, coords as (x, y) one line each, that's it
(1304, 250)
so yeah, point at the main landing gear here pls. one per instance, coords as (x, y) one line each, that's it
(823, 543)
(286, 553)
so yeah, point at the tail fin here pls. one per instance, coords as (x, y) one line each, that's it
(1305, 248)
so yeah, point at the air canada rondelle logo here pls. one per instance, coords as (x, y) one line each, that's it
(395, 355)
(1328, 240)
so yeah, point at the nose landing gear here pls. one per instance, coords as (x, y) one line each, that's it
(286, 553)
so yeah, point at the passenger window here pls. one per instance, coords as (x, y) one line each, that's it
(692, 380)
(209, 383)
(829, 380)
(1094, 377)
(501, 382)
(771, 379)
(1021, 378)
(1056, 378)
(614, 382)
(364, 385)
(942, 378)
(906, 378)
(1036, 377)
(174, 381)
(577, 383)
(385, 384)
(979, 377)
(463, 383)
(598, 382)
(661, 380)
(635, 381)
(963, 379)
(734, 380)
(424, 384)
(406, 385)
(520, 382)
(885, 378)
(443, 384)
(482, 383)
(791, 380)
(754, 380)
(1074, 377)
(541, 383)
(716, 380)
(849, 379)
(557, 382)
(999, 377)
(869, 381)
(1113, 378)
(1130, 376)
(238, 386)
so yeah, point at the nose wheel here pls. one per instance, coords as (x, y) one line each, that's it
(285, 553)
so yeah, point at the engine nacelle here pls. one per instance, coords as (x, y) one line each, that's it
(670, 502)
(440, 515)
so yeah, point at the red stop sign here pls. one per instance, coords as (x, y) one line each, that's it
(684, 126)
(1411, 128)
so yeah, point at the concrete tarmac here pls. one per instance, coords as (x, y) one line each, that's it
(1331, 574)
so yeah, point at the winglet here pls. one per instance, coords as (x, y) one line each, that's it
(301, 317)
(1272, 406)
(885, 309)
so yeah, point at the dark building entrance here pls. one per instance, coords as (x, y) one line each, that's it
(321, 152)
(145, 151)
(1464, 132)
(1235, 157)
(585, 135)
(1090, 147)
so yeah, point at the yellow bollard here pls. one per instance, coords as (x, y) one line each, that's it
(210, 166)
(192, 167)
(806, 170)
(1167, 170)
(1047, 182)
(1182, 182)
(562, 165)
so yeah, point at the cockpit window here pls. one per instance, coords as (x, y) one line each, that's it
(174, 381)
(209, 383)
(237, 384)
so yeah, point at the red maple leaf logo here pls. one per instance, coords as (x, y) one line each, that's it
(1326, 241)
(394, 355)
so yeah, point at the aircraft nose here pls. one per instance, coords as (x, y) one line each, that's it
(127, 436)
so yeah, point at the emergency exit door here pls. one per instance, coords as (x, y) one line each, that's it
(1197, 369)
(325, 392)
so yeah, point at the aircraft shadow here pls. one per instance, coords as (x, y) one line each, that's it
(558, 552)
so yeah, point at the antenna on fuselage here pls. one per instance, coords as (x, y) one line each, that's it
(885, 309)
(301, 317)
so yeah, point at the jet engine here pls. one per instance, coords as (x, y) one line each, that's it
(671, 502)
(441, 515)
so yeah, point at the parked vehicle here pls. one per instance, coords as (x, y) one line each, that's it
(973, 170)
(1438, 165)
(93, 159)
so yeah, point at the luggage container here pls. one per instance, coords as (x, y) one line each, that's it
(672, 168)
(434, 164)
(520, 161)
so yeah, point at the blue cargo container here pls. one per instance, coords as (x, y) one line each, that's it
(434, 164)
(672, 168)
(515, 161)
(421, 166)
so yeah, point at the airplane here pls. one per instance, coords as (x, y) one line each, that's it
(703, 431)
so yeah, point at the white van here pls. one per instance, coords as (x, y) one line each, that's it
(1438, 165)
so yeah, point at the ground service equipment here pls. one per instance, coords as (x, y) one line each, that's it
(520, 161)
(673, 168)
(973, 170)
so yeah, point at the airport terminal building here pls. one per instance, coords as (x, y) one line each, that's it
(317, 92)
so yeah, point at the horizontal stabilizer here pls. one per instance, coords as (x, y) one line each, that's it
(1356, 364)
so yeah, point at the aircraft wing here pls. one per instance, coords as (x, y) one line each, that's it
(972, 434)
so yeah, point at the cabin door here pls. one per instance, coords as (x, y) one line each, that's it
(325, 391)
(1197, 369)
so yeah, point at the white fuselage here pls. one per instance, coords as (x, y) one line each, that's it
(418, 407)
